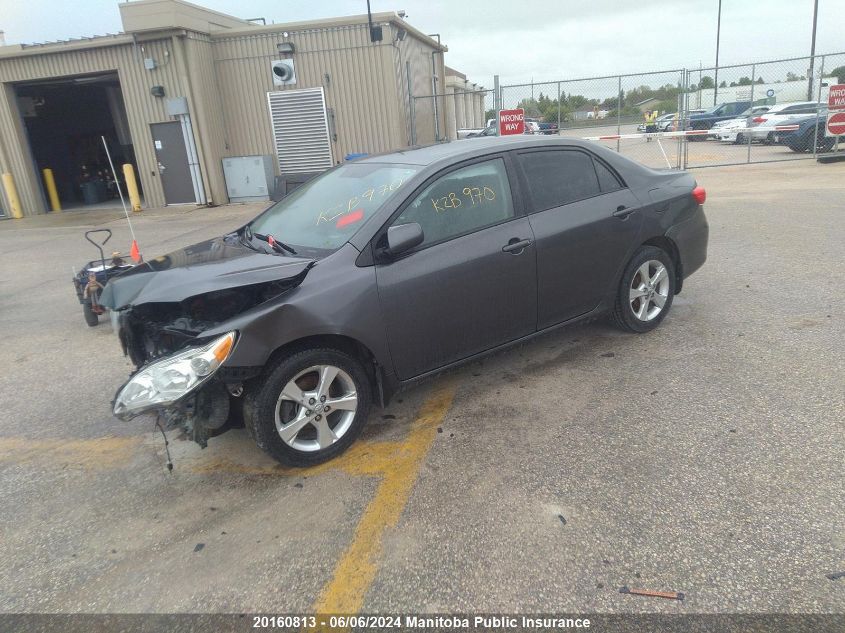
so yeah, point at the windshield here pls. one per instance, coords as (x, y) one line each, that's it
(324, 213)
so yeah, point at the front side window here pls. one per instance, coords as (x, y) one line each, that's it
(559, 177)
(322, 214)
(462, 201)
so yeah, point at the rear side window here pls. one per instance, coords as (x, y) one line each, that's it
(607, 179)
(559, 177)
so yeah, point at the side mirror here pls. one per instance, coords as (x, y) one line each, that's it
(403, 237)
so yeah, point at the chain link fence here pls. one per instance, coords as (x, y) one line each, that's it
(677, 119)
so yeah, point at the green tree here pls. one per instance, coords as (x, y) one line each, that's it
(839, 73)
(706, 82)
(724, 84)
(744, 81)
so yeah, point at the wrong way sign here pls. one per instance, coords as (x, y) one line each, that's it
(511, 121)
(836, 123)
(836, 111)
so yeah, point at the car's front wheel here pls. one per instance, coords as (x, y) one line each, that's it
(91, 317)
(646, 290)
(310, 407)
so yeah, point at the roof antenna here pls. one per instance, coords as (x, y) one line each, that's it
(134, 251)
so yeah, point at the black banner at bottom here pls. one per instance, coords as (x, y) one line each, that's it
(428, 623)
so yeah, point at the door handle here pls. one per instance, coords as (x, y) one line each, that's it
(516, 246)
(622, 212)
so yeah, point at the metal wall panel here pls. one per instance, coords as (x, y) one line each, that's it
(359, 79)
(226, 78)
(141, 107)
(207, 114)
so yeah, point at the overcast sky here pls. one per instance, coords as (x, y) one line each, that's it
(520, 41)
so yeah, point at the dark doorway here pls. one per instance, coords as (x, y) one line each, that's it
(172, 158)
(65, 120)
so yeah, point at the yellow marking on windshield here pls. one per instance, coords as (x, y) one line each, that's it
(354, 201)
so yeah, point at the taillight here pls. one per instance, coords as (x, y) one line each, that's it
(759, 119)
(699, 195)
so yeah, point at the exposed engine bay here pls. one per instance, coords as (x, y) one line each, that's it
(152, 331)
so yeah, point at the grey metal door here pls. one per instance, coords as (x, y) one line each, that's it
(172, 160)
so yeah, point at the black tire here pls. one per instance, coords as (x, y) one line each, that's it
(91, 317)
(623, 312)
(261, 397)
(823, 142)
(740, 138)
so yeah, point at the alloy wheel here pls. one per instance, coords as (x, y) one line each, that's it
(316, 408)
(649, 290)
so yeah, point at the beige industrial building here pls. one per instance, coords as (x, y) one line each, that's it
(210, 108)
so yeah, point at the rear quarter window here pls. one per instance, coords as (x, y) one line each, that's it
(607, 179)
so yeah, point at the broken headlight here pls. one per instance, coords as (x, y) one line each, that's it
(162, 383)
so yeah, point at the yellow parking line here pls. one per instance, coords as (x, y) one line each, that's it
(356, 569)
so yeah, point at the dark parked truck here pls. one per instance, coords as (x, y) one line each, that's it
(391, 268)
(722, 112)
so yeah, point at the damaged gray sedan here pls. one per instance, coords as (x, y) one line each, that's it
(386, 270)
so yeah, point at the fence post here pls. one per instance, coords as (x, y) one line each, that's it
(680, 120)
(753, 77)
(816, 131)
(685, 139)
(619, 111)
(558, 108)
(497, 99)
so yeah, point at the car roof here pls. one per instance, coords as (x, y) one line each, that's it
(780, 106)
(454, 151)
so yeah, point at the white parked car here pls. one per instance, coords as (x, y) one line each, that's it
(663, 123)
(764, 126)
(733, 130)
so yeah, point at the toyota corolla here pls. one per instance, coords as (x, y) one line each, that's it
(391, 268)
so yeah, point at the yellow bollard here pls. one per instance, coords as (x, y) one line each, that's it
(12, 196)
(132, 187)
(50, 184)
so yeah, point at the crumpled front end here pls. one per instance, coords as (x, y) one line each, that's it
(180, 366)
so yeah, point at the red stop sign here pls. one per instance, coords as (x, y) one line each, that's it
(836, 124)
(511, 121)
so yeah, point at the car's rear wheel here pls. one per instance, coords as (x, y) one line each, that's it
(740, 138)
(310, 407)
(646, 290)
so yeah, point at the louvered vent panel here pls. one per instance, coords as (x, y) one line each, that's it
(300, 130)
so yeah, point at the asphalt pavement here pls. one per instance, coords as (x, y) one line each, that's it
(704, 457)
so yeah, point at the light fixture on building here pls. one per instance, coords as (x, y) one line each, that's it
(284, 72)
(285, 47)
(157, 91)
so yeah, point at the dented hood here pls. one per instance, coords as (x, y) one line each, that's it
(216, 264)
